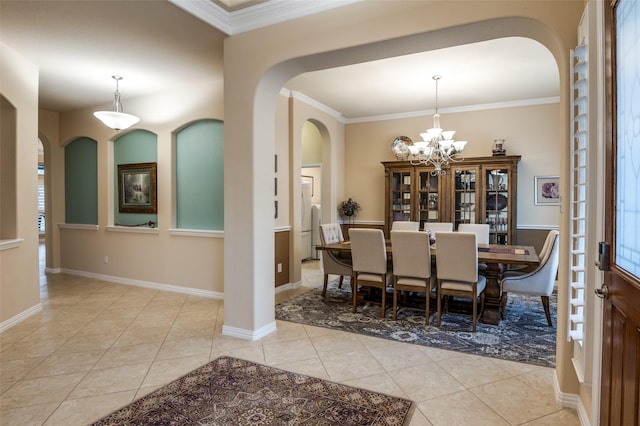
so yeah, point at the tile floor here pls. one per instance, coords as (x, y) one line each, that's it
(97, 346)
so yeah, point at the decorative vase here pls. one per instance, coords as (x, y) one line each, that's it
(498, 147)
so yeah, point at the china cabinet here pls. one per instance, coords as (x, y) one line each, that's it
(474, 190)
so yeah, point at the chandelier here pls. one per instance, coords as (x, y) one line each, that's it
(116, 119)
(437, 147)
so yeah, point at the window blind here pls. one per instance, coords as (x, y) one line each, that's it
(578, 205)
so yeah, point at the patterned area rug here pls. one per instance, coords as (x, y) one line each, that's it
(523, 336)
(231, 391)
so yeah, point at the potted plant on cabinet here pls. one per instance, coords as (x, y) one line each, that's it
(349, 209)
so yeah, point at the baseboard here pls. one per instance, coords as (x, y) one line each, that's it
(5, 325)
(245, 334)
(288, 286)
(147, 284)
(571, 400)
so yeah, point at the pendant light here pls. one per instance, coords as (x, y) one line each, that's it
(116, 119)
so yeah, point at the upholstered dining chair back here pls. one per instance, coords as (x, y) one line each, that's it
(332, 263)
(480, 229)
(411, 254)
(540, 282)
(368, 250)
(331, 233)
(405, 226)
(457, 258)
(438, 227)
(411, 266)
(370, 267)
(544, 251)
(457, 270)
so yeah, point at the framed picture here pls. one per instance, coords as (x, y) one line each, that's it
(137, 188)
(547, 190)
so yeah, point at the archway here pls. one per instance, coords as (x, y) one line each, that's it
(254, 104)
(44, 158)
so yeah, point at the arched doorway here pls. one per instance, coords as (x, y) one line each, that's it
(258, 109)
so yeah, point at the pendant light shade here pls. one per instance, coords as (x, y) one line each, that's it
(116, 119)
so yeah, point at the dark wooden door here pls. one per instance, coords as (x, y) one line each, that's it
(620, 393)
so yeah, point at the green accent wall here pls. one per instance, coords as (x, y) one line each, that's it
(138, 146)
(81, 181)
(200, 176)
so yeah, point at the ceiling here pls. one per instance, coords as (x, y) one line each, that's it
(159, 45)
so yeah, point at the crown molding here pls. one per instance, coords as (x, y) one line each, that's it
(312, 102)
(257, 16)
(208, 12)
(412, 114)
(468, 108)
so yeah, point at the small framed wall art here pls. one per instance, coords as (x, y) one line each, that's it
(547, 190)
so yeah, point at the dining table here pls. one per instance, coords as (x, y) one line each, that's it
(497, 257)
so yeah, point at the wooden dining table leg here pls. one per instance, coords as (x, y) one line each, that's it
(492, 295)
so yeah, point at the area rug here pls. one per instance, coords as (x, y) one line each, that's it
(231, 391)
(523, 336)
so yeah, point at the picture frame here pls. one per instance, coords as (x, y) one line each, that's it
(137, 191)
(547, 190)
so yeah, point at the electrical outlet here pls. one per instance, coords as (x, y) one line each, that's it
(279, 267)
(106, 259)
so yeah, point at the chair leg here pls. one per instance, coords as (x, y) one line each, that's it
(324, 288)
(439, 305)
(426, 302)
(547, 312)
(384, 294)
(395, 298)
(395, 304)
(354, 292)
(474, 302)
(503, 304)
(340, 282)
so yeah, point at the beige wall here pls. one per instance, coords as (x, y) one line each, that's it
(534, 132)
(48, 126)
(331, 134)
(19, 277)
(283, 140)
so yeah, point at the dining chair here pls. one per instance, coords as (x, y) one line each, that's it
(525, 269)
(332, 262)
(482, 236)
(438, 227)
(537, 283)
(405, 225)
(457, 270)
(370, 267)
(480, 229)
(412, 266)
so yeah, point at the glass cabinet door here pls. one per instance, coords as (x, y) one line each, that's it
(496, 211)
(401, 186)
(428, 203)
(465, 196)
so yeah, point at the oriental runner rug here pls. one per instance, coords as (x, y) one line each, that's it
(231, 391)
(523, 336)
